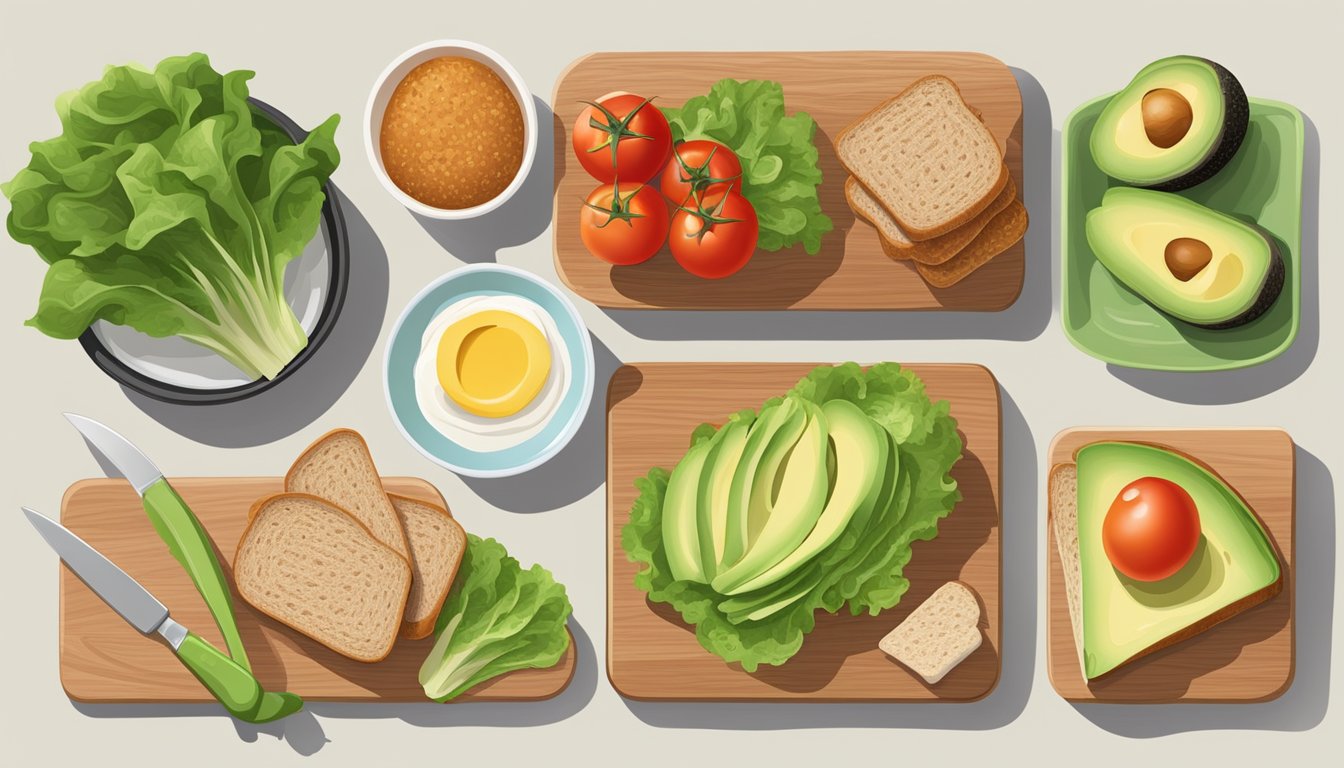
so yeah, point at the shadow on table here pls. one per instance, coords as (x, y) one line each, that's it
(1220, 387)
(304, 733)
(1001, 707)
(305, 395)
(1304, 705)
(573, 473)
(519, 220)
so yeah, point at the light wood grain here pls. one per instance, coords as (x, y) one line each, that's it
(105, 660)
(652, 654)
(835, 88)
(1245, 659)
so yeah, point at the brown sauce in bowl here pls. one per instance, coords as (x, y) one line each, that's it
(452, 134)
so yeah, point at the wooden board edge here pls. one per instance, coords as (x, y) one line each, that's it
(430, 491)
(1052, 562)
(614, 678)
(1013, 139)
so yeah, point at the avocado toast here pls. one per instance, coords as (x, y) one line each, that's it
(1112, 496)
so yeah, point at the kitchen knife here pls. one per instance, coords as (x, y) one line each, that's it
(175, 523)
(234, 686)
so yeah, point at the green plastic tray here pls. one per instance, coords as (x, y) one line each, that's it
(1108, 321)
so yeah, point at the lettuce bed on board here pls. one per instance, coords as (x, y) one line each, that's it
(764, 616)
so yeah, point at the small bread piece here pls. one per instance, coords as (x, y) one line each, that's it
(306, 563)
(1063, 495)
(926, 157)
(1002, 232)
(939, 634)
(898, 246)
(339, 468)
(437, 543)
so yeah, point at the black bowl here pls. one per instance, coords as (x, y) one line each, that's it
(338, 258)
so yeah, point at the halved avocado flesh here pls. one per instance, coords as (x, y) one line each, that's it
(1134, 230)
(1234, 560)
(1121, 141)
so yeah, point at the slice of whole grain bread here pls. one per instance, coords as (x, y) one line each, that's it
(926, 157)
(310, 565)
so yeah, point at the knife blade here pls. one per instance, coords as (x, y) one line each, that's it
(174, 521)
(232, 685)
(119, 452)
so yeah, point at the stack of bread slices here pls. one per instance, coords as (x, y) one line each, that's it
(345, 563)
(927, 173)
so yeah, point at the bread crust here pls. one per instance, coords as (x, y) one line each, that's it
(1003, 231)
(939, 249)
(1222, 614)
(415, 630)
(255, 510)
(311, 449)
(913, 232)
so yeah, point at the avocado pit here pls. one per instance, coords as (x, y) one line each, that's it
(1167, 117)
(1186, 256)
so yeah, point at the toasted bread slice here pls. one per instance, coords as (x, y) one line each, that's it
(939, 634)
(940, 249)
(339, 468)
(1063, 518)
(1063, 495)
(926, 157)
(308, 564)
(1004, 230)
(437, 544)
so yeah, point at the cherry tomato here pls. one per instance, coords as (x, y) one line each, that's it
(1151, 529)
(623, 227)
(702, 166)
(622, 135)
(714, 236)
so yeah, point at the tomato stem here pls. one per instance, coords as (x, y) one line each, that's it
(620, 208)
(615, 128)
(698, 176)
(708, 218)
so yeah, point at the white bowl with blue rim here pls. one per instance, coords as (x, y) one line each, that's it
(403, 349)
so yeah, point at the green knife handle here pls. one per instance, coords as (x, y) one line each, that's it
(234, 686)
(190, 545)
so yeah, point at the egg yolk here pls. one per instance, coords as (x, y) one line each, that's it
(493, 363)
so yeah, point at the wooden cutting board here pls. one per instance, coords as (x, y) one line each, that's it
(105, 660)
(1248, 658)
(835, 88)
(653, 655)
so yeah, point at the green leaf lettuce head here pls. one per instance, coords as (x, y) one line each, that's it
(497, 618)
(861, 570)
(780, 175)
(169, 205)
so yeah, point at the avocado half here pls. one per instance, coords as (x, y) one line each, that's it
(1145, 239)
(1177, 123)
(1235, 565)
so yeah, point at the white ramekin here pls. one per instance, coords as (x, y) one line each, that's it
(392, 77)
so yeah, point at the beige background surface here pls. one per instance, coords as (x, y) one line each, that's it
(323, 59)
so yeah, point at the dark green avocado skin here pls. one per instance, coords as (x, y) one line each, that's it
(1237, 116)
(1269, 292)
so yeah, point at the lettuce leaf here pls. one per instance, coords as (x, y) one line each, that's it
(780, 175)
(861, 570)
(167, 204)
(497, 618)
